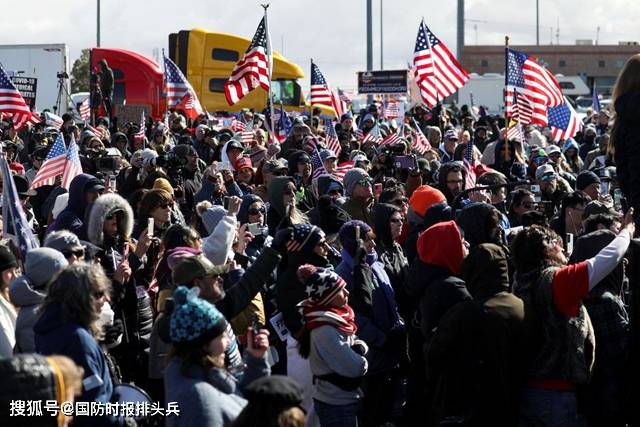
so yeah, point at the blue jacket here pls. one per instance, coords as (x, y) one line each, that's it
(72, 217)
(373, 327)
(55, 335)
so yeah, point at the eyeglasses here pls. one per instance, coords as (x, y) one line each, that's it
(400, 202)
(78, 253)
(256, 211)
(364, 182)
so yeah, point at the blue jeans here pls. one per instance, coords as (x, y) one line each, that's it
(549, 408)
(336, 415)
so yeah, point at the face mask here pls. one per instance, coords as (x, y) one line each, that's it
(106, 315)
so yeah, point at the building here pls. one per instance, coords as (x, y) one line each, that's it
(593, 63)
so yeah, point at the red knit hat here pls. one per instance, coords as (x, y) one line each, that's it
(243, 162)
(424, 197)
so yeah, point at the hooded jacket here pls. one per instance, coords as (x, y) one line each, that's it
(276, 213)
(475, 357)
(72, 217)
(104, 206)
(28, 300)
(433, 274)
(474, 222)
(442, 180)
(626, 139)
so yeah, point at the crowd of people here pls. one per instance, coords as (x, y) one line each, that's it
(238, 281)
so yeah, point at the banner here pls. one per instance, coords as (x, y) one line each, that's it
(27, 87)
(392, 81)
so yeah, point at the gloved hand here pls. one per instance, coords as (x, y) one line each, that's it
(360, 347)
(113, 333)
(281, 239)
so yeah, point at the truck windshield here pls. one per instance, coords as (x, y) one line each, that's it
(286, 92)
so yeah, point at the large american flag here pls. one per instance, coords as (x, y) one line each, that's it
(179, 90)
(421, 143)
(14, 220)
(85, 109)
(252, 70)
(331, 137)
(563, 121)
(12, 102)
(436, 71)
(530, 79)
(139, 136)
(72, 167)
(53, 165)
(320, 92)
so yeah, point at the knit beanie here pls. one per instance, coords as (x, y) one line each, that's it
(7, 259)
(585, 179)
(194, 320)
(42, 265)
(305, 238)
(212, 216)
(176, 255)
(347, 234)
(148, 155)
(321, 284)
(351, 179)
(424, 197)
(163, 184)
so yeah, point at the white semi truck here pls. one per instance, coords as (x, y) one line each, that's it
(48, 63)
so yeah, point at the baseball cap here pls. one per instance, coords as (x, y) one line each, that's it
(360, 158)
(327, 154)
(274, 165)
(195, 267)
(545, 173)
(552, 149)
(451, 134)
(596, 207)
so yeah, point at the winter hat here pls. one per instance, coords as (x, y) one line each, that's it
(177, 255)
(60, 204)
(275, 391)
(585, 179)
(305, 238)
(42, 265)
(351, 179)
(195, 267)
(321, 284)
(147, 156)
(451, 134)
(163, 184)
(212, 216)
(194, 320)
(346, 116)
(424, 197)
(518, 171)
(347, 234)
(7, 259)
(62, 240)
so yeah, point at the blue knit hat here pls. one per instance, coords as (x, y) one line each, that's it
(347, 234)
(193, 319)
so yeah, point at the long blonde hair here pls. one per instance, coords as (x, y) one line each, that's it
(628, 81)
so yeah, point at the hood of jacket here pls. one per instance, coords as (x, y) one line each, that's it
(627, 106)
(50, 320)
(382, 216)
(439, 212)
(441, 246)
(77, 188)
(485, 271)
(293, 161)
(22, 293)
(276, 190)
(104, 206)
(325, 182)
(474, 222)
(224, 157)
(247, 200)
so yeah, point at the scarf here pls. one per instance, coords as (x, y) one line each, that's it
(341, 318)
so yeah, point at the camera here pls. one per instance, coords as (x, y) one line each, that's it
(62, 75)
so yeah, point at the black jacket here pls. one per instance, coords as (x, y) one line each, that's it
(626, 139)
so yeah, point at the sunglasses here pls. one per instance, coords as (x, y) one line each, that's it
(79, 253)
(256, 211)
(364, 182)
(400, 202)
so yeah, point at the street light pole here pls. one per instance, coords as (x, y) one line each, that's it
(98, 26)
(381, 44)
(537, 22)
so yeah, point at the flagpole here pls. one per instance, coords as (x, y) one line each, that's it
(506, 75)
(270, 56)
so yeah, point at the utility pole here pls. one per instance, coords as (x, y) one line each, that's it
(381, 44)
(460, 41)
(98, 26)
(537, 22)
(369, 44)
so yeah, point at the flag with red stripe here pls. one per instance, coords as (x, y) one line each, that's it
(252, 70)
(564, 122)
(72, 166)
(421, 143)
(53, 165)
(85, 109)
(12, 102)
(331, 139)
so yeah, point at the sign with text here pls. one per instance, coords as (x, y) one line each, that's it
(27, 87)
(387, 81)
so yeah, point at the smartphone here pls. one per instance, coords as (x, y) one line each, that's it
(535, 189)
(111, 182)
(569, 243)
(404, 162)
(150, 228)
(377, 189)
(617, 196)
(255, 228)
(226, 202)
(255, 329)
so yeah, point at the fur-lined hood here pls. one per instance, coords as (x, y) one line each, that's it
(102, 207)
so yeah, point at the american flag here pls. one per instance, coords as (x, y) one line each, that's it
(85, 109)
(374, 135)
(316, 163)
(421, 143)
(345, 96)
(139, 136)
(393, 137)
(283, 124)
(179, 90)
(320, 92)
(72, 167)
(97, 131)
(331, 139)
(339, 106)
(436, 71)
(53, 165)
(301, 234)
(53, 120)
(563, 121)
(238, 126)
(14, 220)
(252, 70)
(595, 102)
(342, 170)
(247, 135)
(520, 108)
(514, 132)
(529, 78)
(12, 102)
